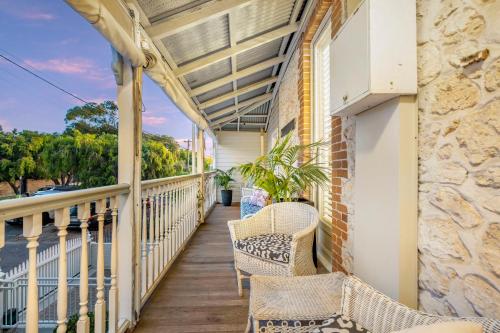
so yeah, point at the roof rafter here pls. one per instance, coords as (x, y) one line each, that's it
(235, 50)
(238, 92)
(223, 121)
(238, 75)
(243, 104)
(192, 17)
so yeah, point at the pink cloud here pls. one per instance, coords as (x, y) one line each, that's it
(5, 124)
(31, 14)
(37, 15)
(82, 67)
(153, 120)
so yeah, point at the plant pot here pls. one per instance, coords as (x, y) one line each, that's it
(227, 197)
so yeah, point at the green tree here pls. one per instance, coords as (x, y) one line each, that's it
(19, 154)
(93, 118)
(157, 160)
(59, 159)
(97, 157)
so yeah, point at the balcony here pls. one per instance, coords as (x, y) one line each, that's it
(410, 204)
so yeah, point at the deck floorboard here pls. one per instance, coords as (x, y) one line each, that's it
(199, 293)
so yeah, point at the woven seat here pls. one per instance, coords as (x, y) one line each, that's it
(295, 220)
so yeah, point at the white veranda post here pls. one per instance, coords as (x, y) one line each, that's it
(129, 171)
(193, 149)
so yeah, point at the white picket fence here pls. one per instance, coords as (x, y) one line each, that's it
(13, 284)
(47, 262)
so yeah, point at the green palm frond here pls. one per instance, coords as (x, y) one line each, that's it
(280, 173)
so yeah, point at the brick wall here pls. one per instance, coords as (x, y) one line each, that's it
(342, 136)
(304, 125)
(342, 172)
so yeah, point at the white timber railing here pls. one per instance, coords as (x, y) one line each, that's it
(31, 209)
(170, 215)
(171, 211)
(210, 191)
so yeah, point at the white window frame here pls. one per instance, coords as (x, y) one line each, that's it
(322, 35)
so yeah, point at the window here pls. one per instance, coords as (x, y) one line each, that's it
(321, 113)
(322, 130)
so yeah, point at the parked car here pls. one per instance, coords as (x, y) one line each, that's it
(74, 222)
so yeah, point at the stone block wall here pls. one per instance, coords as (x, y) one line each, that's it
(459, 162)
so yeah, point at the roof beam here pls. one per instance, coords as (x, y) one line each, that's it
(192, 17)
(238, 75)
(236, 93)
(241, 105)
(237, 49)
(221, 122)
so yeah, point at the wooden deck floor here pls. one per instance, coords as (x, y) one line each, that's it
(199, 293)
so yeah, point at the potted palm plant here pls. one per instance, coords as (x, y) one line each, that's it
(281, 175)
(222, 178)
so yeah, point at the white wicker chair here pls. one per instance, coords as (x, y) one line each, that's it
(290, 218)
(307, 301)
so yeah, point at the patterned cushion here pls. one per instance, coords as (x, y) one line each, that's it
(339, 324)
(275, 247)
(286, 326)
(247, 208)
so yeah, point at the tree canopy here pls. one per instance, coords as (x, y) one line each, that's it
(86, 154)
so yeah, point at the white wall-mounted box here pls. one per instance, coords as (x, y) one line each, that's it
(374, 56)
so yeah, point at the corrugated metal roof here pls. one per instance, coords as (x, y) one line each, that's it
(225, 104)
(261, 16)
(209, 73)
(259, 76)
(258, 54)
(252, 94)
(199, 40)
(215, 92)
(154, 8)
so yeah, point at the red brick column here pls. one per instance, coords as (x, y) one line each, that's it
(339, 167)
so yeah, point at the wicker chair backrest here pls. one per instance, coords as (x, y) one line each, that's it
(380, 314)
(291, 217)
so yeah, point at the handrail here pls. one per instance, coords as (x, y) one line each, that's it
(29, 206)
(147, 184)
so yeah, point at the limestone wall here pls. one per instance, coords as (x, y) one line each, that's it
(459, 163)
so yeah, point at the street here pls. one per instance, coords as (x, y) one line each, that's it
(15, 252)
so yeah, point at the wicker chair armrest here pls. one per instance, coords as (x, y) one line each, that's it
(301, 247)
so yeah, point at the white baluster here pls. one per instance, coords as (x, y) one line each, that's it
(100, 305)
(156, 251)
(144, 238)
(32, 228)
(161, 193)
(83, 324)
(151, 239)
(61, 222)
(113, 289)
(169, 222)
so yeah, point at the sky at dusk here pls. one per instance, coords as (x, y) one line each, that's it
(58, 44)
